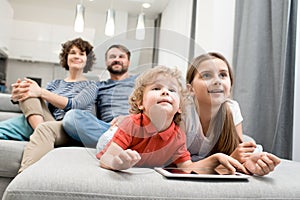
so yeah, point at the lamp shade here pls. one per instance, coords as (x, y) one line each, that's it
(110, 22)
(140, 28)
(79, 18)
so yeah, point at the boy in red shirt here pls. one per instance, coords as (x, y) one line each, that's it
(151, 136)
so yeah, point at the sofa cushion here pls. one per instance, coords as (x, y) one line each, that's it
(10, 157)
(74, 173)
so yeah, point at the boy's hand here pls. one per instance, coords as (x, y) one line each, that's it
(261, 163)
(126, 159)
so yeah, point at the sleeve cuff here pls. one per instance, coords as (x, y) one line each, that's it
(14, 102)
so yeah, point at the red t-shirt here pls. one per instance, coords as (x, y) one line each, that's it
(156, 148)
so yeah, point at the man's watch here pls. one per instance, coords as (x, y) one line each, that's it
(14, 102)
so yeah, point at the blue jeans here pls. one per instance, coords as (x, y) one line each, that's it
(84, 127)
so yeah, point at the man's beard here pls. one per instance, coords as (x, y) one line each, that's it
(121, 71)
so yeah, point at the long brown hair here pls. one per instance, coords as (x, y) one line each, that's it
(228, 137)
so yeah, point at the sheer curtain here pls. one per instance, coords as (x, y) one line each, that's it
(264, 65)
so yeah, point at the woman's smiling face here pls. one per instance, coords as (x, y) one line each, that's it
(212, 85)
(76, 58)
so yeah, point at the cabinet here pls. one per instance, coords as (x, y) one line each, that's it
(6, 18)
(34, 41)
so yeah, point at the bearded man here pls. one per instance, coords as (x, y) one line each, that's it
(111, 104)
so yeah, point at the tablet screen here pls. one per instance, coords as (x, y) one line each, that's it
(199, 173)
(190, 171)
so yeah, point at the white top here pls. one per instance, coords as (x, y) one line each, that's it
(199, 145)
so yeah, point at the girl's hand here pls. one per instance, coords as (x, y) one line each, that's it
(217, 162)
(126, 159)
(243, 151)
(261, 163)
(231, 165)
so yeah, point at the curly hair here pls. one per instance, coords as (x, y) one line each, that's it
(148, 78)
(84, 46)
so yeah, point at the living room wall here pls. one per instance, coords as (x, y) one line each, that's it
(212, 18)
(174, 35)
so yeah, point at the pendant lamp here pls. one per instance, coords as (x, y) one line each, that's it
(110, 22)
(140, 28)
(79, 18)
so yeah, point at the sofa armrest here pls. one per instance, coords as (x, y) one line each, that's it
(6, 105)
(10, 156)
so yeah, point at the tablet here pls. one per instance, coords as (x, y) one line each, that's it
(178, 173)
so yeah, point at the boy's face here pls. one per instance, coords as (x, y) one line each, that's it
(212, 85)
(161, 98)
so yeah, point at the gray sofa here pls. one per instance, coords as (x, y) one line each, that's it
(74, 173)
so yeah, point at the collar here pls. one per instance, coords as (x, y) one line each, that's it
(150, 129)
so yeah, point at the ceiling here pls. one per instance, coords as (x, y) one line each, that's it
(133, 7)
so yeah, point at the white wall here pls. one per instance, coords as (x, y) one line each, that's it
(175, 34)
(6, 17)
(296, 131)
(214, 30)
(215, 27)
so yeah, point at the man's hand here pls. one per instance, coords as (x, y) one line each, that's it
(261, 163)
